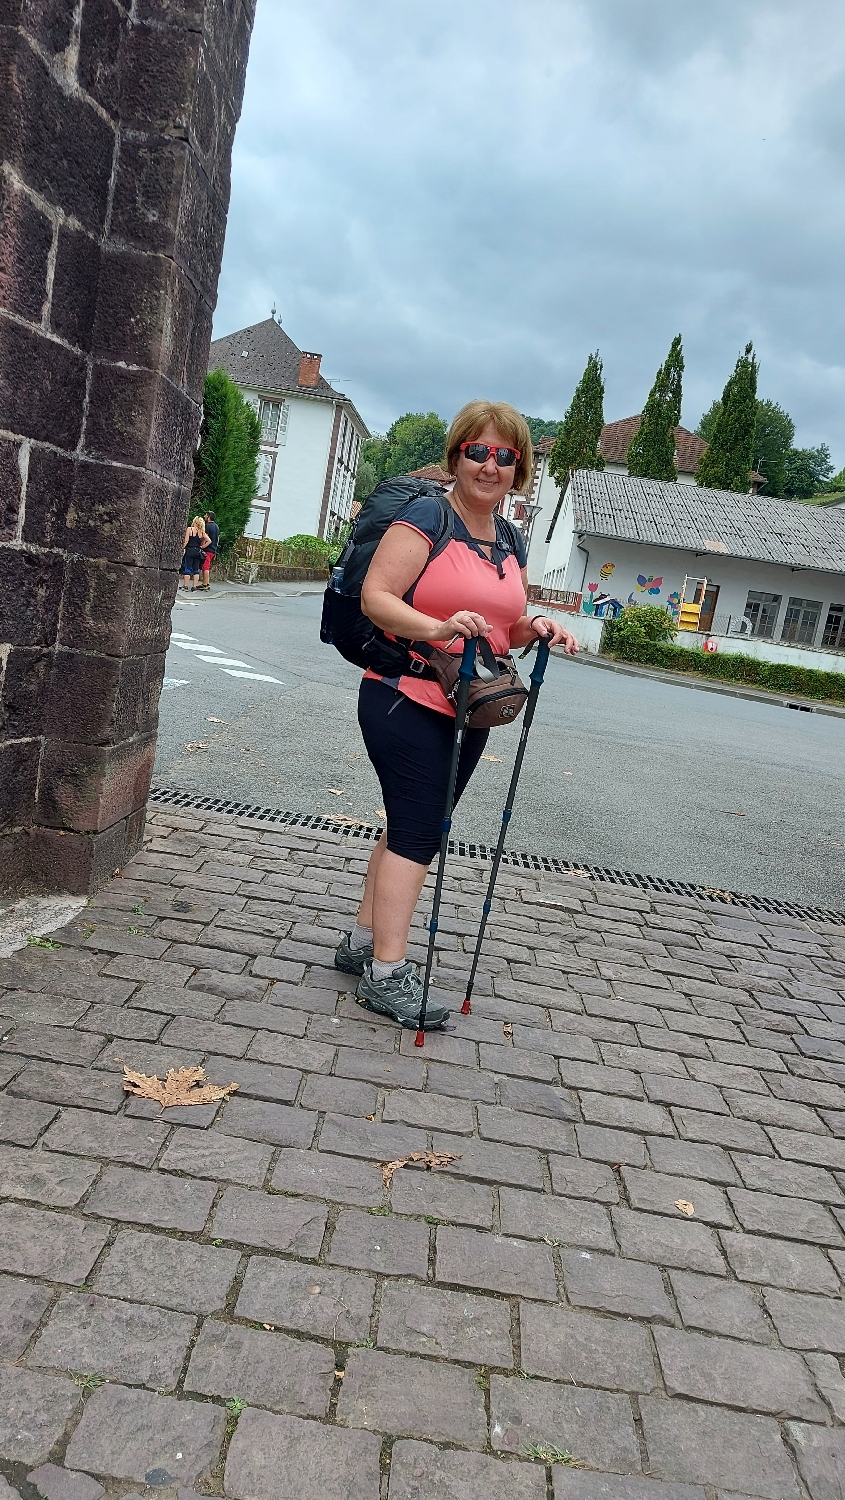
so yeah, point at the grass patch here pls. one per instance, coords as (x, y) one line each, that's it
(548, 1453)
(38, 942)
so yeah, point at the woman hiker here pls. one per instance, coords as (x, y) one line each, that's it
(196, 538)
(475, 587)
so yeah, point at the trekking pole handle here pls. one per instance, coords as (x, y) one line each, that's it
(467, 666)
(541, 662)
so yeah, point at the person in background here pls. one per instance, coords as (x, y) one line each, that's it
(196, 539)
(210, 552)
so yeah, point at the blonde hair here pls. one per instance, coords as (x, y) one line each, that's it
(472, 420)
(200, 522)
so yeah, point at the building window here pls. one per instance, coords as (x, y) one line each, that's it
(270, 417)
(834, 628)
(264, 470)
(801, 621)
(761, 610)
(256, 526)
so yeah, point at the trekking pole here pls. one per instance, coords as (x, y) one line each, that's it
(536, 680)
(465, 674)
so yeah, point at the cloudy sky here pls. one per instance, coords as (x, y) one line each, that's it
(464, 197)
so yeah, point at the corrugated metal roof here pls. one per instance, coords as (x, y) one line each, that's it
(718, 521)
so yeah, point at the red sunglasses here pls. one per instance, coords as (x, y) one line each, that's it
(478, 453)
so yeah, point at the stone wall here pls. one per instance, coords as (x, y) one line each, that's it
(116, 129)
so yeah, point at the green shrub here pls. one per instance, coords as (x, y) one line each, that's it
(637, 629)
(777, 677)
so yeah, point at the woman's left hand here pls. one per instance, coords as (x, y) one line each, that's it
(553, 632)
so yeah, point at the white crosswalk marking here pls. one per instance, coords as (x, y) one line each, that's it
(224, 661)
(253, 676)
(231, 665)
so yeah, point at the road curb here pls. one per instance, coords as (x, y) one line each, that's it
(681, 679)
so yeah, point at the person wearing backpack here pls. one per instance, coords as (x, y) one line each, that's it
(447, 567)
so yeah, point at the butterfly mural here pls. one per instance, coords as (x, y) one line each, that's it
(649, 585)
(673, 604)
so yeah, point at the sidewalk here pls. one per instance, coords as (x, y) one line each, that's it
(633, 1259)
(709, 685)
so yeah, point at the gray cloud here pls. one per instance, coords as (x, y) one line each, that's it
(467, 197)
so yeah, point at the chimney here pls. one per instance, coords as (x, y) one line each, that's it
(309, 369)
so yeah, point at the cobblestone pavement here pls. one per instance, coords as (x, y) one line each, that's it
(226, 1299)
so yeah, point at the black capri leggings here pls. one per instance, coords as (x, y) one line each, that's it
(411, 751)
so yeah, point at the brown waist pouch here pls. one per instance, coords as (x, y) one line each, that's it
(497, 694)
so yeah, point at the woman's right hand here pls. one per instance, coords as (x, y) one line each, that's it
(463, 622)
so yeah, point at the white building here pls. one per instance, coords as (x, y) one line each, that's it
(311, 434)
(615, 440)
(774, 569)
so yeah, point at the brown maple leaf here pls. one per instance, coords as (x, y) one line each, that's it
(181, 1086)
(430, 1158)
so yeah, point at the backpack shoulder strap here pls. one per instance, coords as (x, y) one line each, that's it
(447, 530)
(511, 532)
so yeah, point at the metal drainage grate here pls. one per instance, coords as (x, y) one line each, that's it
(351, 828)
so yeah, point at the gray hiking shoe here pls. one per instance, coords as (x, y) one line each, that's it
(399, 997)
(351, 960)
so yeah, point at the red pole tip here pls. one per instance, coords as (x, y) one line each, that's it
(419, 1039)
(466, 1008)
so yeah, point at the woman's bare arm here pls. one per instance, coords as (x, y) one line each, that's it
(399, 560)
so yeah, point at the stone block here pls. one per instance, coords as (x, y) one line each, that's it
(134, 1025)
(247, 1217)
(610, 1284)
(459, 1082)
(22, 1306)
(536, 1098)
(412, 1398)
(719, 1306)
(22, 1121)
(32, 586)
(275, 1124)
(625, 1114)
(34, 1411)
(449, 1325)
(722, 1130)
(792, 1179)
(319, 1175)
(41, 1177)
(571, 1485)
(54, 1043)
(390, 1072)
(170, 1272)
(24, 687)
(57, 1247)
(429, 1111)
(658, 1193)
(74, 299)
(347, 1136)
(594, 1426)
(495, 1263)
(372, 1243)
(798, 1268)
(566, 1221)
(615, 1146)
(320, 1301)
(610, 1352)
(668, 1242)
(708, 1445)
(419, 1469)
(152, 1198)
(807, 1321)
(516, 1062)
(523, 1129)
(434, 1195)
(226, 1158)
(26, 235)
(487, 1161)
(765, 1213)
(729, 1373)
(573, 1177)
(42, 395)
(121, 1340)
(60, 1484)
(691, 1159)
(285, 1458)
(132, 1434)
(269, 1369)
(820, 1452)
(339, 1095)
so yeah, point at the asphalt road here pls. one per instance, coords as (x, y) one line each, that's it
(621, 771)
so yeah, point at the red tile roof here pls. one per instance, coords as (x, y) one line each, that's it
(431, 471)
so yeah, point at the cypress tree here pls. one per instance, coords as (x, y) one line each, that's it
(727, 463)
(225, 463)
(651, 454)
(577, 443)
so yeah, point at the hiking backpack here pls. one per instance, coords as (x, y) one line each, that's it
(343, 625)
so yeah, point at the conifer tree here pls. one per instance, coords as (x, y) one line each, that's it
(225, 463)
(727, 463)
(577, 444)
(651, 454)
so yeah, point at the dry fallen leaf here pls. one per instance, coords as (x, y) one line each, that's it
(181, 1086)
(507, 1028)
(379, 812)
(491, 757)
(369, 1117)
(430, 1158)
(336, 791)
(685, 1207)
(271, 1327)
(198, 745)
(209, 720)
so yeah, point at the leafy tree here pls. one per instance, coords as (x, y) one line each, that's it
(413, 441)
(539, 428)
(374, 452)
(577, 444)
(774, 433)
(651, 454)
(226, 460)
(806, 470)
(365, 481)
(726, 465)
(834, 486)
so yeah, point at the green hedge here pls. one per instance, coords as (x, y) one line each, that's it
(777, 677)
